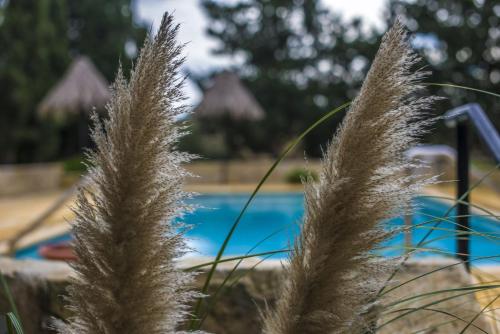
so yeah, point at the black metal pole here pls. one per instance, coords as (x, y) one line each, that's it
(462, 188)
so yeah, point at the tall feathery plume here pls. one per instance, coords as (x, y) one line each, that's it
(125, 236)
(333, 275)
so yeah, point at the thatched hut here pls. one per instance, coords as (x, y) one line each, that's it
(228, 105)
(82, 89)
(229, 97)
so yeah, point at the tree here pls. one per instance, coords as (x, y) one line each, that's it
(39, 39)
(105, 31)
(461, 42)
(299, 59)
(34, 55)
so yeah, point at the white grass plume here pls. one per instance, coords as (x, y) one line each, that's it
(125, 237)
(332, 275)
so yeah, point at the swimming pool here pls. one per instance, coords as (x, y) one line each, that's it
(273, 219)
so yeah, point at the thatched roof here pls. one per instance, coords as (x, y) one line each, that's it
(81, 89)
(227, 95)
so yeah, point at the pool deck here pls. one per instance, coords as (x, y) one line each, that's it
(17, 213)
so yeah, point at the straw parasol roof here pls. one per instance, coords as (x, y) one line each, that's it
(229, 96)
(81, 89)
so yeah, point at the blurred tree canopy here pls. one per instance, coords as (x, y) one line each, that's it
(38, 40)
(460, 41)
(301, 60)
(105, 31)
(33, 55)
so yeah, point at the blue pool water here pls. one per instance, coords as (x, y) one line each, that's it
(277, 218)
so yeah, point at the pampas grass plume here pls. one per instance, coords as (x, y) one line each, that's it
(125, 237)
(333, 275)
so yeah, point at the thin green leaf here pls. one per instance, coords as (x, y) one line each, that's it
(13, 324)
(248, 253)
(450, 85)
(436, 292)
(416, 309)
(229, 259)
(425, 306)
(448, 314)
(9, 296)
(478, 314)
(480, 208)
(236, 280)
(461, 198)
(213, 297)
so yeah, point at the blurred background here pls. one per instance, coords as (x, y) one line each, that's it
(295, 60)
(258, 73)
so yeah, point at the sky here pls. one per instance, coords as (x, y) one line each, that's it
(193, 23)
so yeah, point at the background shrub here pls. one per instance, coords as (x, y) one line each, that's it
(296, 175)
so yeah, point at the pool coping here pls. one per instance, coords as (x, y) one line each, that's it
(60, 270)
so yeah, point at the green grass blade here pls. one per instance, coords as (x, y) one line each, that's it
(236, 280)
(13, 324)
(460, 200)
(433, 328)
(463, 308)
(9, 296)
(290, 147)
(10, 325)
(213, 298)
(478, 314)
(239, 277)
(489, 213)
(230, 259)
(473, 288)
(456, 202)
(448, 314)
(467, 231)
(426, 306)
(450, 85)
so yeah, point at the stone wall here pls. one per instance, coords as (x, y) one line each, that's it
(245, 171)
(38, 287)
(32, 178)
(21, 179)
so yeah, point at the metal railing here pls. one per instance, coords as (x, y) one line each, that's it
(459, 118)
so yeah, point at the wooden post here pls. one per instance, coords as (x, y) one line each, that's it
(463, 248)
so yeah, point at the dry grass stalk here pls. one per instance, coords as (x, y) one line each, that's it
(332, 274)
(125, 238)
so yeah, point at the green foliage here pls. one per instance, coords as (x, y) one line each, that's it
(459, 40)
(208, 145)
(75, 164)
(300, 58)
(299, 61)
(34, 56)
(38, 39)
(106, 32)
(297, 175)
